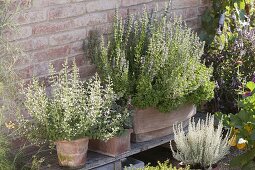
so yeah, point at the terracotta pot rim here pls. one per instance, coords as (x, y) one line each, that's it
(151, 107)
(70, 141)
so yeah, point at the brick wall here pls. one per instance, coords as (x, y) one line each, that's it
(51, 30)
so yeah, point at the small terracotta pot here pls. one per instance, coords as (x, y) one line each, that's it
(112, 147)
(72, 153)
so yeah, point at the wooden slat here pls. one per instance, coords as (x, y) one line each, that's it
(95, 160)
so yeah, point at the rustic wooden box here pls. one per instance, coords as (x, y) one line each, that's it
(149, 123)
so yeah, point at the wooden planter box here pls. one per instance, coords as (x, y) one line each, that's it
(112, 147)
(149, 123)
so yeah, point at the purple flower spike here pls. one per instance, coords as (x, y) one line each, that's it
(247, 94)
(253, 79)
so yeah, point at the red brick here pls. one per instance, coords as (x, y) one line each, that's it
(41, 69)
(177, 4)
(22, 32)
(111, 14)
(201, 10)
(47, 28)
(67, 11)
(76, 48)
(205, 2)
(67, 37)
(133, 2)
(26, 72)
(193, 23)
(51, 54)
(186, 13)
(36, 43)
(31, 17)
(40, 3)
(87, 71)
(90, 19)
(58, 2)
(101, 5)
(80, 60)
(19, 4)
(102, 28)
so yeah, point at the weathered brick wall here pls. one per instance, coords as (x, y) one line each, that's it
(51, 30)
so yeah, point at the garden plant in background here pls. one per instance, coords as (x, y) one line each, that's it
(202, 146)
(9, 55)
(154, 62)
(71, 113)
(242, 125)
(163, 166)
(229, 35)
(5, 163)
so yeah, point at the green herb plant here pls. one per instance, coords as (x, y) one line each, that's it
(70, 110)
(9, 55)
(154, 61)
(5, 162)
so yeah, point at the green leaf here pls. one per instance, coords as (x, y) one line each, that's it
(242, 5)
(250, 85)
(244, 116)
(253, 134)
(243, 160)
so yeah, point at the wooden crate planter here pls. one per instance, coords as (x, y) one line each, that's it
(149, 123)
(112, 147)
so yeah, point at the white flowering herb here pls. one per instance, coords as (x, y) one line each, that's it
(71, 109)
(202, 145)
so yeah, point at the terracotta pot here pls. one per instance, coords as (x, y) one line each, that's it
(112, 147)
(72, 153)
(150, 124)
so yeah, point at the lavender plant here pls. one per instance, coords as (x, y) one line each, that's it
(71, 111)
(155, 62)
(202, 146)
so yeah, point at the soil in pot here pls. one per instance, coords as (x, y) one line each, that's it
(72, 153)
(112, 147)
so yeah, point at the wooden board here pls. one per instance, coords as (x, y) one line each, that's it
(95, 160)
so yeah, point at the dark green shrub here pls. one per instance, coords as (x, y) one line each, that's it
(229, 49)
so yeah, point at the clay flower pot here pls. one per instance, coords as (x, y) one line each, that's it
(112, 147)
(72, 153)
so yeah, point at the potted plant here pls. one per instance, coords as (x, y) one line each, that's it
(203, 146)
(155, 66)
(110, 135)
(64, 114)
